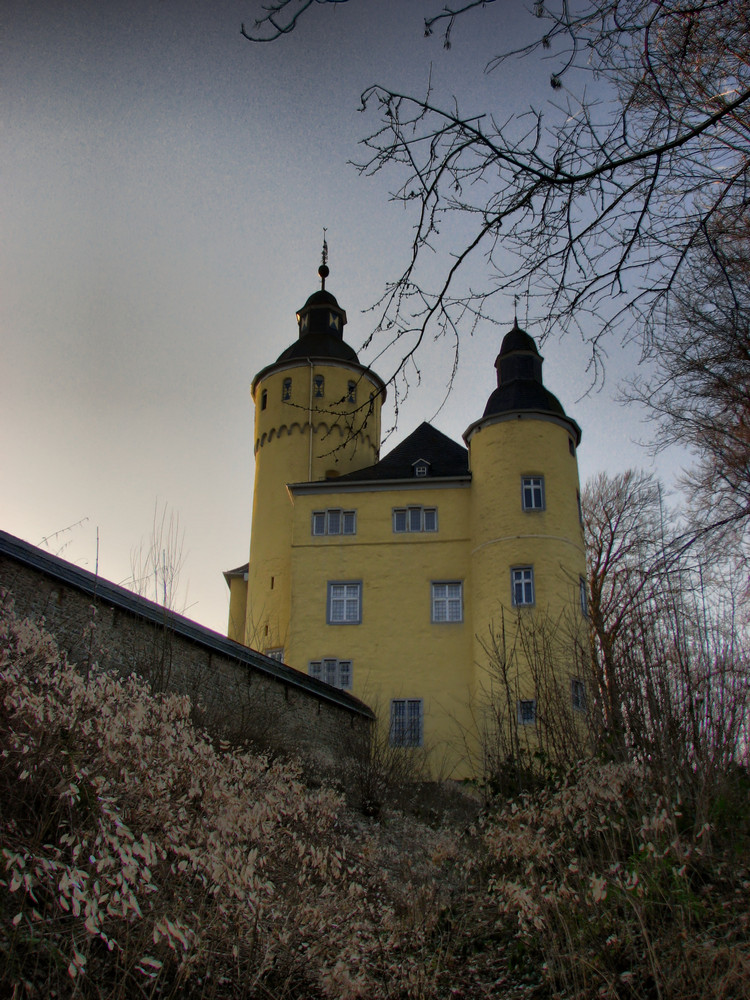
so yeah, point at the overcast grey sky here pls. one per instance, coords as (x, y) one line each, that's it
(165, 184)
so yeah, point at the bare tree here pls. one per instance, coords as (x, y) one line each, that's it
(592, 206)
(668, 652)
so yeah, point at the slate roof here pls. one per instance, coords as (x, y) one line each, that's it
(115, 596)
(446, 458)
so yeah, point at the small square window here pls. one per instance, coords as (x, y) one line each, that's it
(399, 519)
(532, 492)
(578, 695)
(447, 602)
(406, 722)
(275, 654)
(337, 673)
(526, 709)
(522, 583)
(421, 469)
(345, 603)
(319, 522)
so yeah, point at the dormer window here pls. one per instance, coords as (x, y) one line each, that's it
(421, 468)
(304, 322)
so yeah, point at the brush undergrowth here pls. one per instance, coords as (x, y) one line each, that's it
(140, 858)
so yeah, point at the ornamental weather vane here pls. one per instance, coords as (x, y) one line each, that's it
(323, 269)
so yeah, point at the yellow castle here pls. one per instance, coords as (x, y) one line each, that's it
(386, 576)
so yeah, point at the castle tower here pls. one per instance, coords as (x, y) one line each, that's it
(317, 417)
(527, 551)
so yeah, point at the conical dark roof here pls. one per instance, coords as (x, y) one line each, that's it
(321, 322)
(519, 380)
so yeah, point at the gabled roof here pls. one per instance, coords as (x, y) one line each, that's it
(445, 458)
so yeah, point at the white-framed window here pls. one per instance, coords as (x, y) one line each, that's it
(334, 521)
(526, 711)
(414, 519)
(333, 671)
(447, 602)
(578, 694)
(345, 603)
(421, 469)
(276, 654)
(407, 722)
(522, 586)
(532, 492)
(584, 597)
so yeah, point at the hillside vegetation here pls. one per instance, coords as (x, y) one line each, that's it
(141, 858)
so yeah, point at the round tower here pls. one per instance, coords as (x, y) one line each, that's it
(317, 416)
(527, 539)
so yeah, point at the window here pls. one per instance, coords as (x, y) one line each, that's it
(584, 597)
(351, 392)
(345, 603)
(526, 709)
(421, 468)
(334, 522)
(275, 654)
(406, 722)
(571, 447)
(286, 390)
(414, 519)
(578, 695)
(338, 673)
(264, 399)
(522, 584)
(532, 492)
(319, 384)
(447, 602)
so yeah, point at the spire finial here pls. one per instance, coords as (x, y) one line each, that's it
(515, 310)
(323, 269)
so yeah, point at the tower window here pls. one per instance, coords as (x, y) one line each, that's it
(447, 602)
(526, 712)
(351, 392)
(337, 673)
(286, 390)
(319, 384)
(414, 519)
(571, 446)
(264, 399)
(334, 522)
(532, 492)
(522, 584)
(578, 695)
(345, 603)
(407, 722)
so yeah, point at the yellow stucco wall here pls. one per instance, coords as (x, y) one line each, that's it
(505, 536)
(396, 651)
(345, 437)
